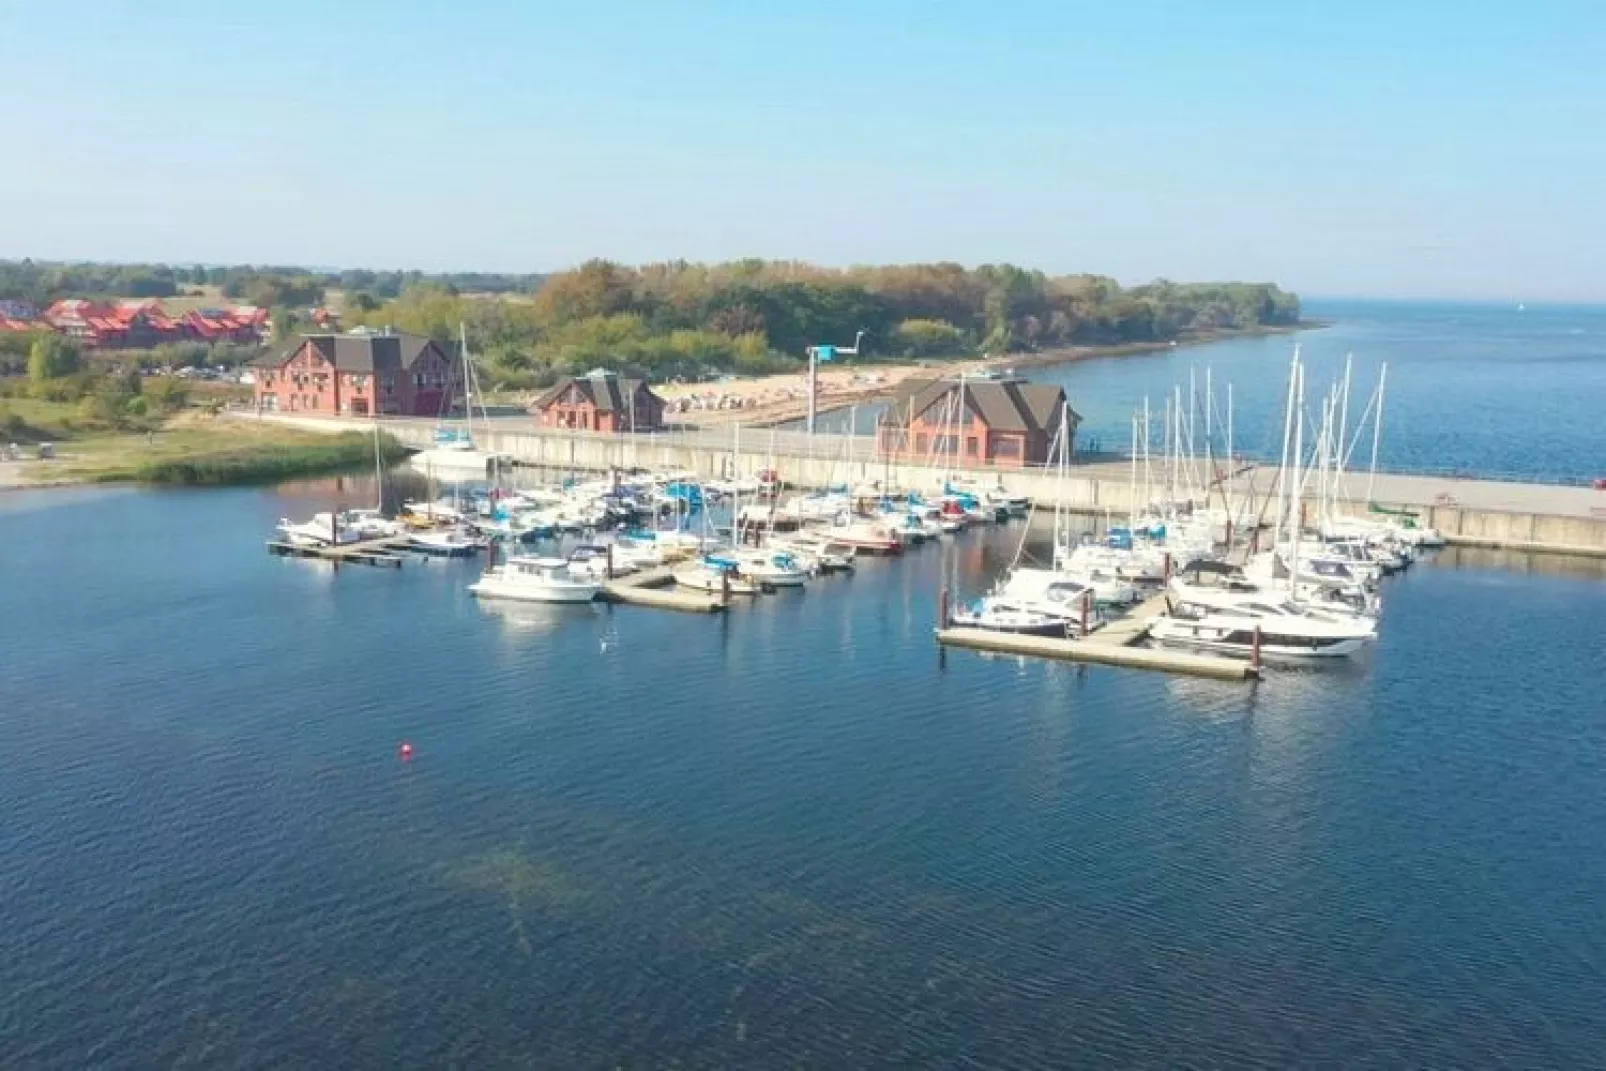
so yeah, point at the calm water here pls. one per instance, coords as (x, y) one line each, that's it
(1481, 389)
(786, 837)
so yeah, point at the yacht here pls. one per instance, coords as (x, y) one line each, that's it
(1286, 632)
(535, 580)
(777, 568)
(324, 530)
(998, 614)
(867, 536)
(454, 542)
(716, 574)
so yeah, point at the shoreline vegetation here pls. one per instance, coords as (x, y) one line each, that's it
(194, 449)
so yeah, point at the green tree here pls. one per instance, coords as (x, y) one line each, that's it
(52, 357)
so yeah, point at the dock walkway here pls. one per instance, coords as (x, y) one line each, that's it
(1107, 653)
(645, 588)
(378, 552)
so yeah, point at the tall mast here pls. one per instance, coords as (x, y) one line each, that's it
(1295, 496)
(1377, 430)
(1282, 462)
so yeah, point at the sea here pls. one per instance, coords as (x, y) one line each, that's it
(1490, 390)
(793, 836)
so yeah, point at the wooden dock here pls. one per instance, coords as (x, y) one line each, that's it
(1112, 653)
(645, 588)
(376, 552)
(1131, 626)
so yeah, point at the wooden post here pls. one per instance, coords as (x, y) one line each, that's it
(942, 609)
(1254, 652)
(724, 586)
(1168, 567)
(1229, 533)
(610, 561)
(1087, 609)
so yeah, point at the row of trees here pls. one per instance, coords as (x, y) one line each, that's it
(57, 372)
(42, 282)
(678, 318)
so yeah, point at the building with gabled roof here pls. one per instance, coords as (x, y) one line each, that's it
(993, 419)
(600, 401)
(385, 373)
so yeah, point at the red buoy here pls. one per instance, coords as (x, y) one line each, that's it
(406, 751)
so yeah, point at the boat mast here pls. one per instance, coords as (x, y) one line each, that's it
(1295, 491)
(1282, 461)
(1377, 431)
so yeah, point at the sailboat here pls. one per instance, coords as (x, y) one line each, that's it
(455, 453)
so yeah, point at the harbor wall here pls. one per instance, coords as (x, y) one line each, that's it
(833, 460)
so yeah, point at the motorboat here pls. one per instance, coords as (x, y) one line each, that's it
(1050, 592)
(592, 561)
(1109, 588)
(867, 536)
(822, 554)
(453, 542)
(715, 574)
(777, 568)
(996, 614)
(323, 530)
(531, 579)
(1281, 632)
(371, 524)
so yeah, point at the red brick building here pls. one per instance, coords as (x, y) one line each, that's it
(358, 375)
(601, 401)
(1002, 420)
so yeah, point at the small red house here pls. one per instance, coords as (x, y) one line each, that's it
(601, 401)
(996, 420)
(358, 375)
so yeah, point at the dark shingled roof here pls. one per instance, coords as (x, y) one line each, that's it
(1002, 404)
(360, 353)
(609, 393)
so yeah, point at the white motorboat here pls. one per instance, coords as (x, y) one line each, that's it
(535, 580)
(818, 552)
(778, 568)
(1285, 634)
(323, 530)
(1109, 589)
(592, 561)
(996, 614)
(371, 524)
(867, 536)
(1050, 592)
(452, 542)
(712, 575)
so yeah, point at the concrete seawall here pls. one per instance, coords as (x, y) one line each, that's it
(1478, 513)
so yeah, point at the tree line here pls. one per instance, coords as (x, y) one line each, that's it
(41, 283)
(682, 319)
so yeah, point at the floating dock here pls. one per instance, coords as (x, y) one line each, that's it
(1109, 653)
(378, 552)
(645, 588)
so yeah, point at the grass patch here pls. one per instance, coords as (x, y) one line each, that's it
(193, 449)
(259, 463)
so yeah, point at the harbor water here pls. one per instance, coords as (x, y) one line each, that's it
(794, 835)
(1480, 390)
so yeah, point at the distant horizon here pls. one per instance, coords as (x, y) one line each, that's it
(1304, 296)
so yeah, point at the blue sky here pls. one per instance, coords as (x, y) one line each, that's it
(1405, 148)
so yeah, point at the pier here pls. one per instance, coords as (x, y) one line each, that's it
(646, 588)
(376, 552)
(1540, 518)
(1103, 653)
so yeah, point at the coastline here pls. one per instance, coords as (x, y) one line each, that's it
(189, 456)
(759, 401)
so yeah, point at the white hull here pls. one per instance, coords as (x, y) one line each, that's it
(524, 592)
